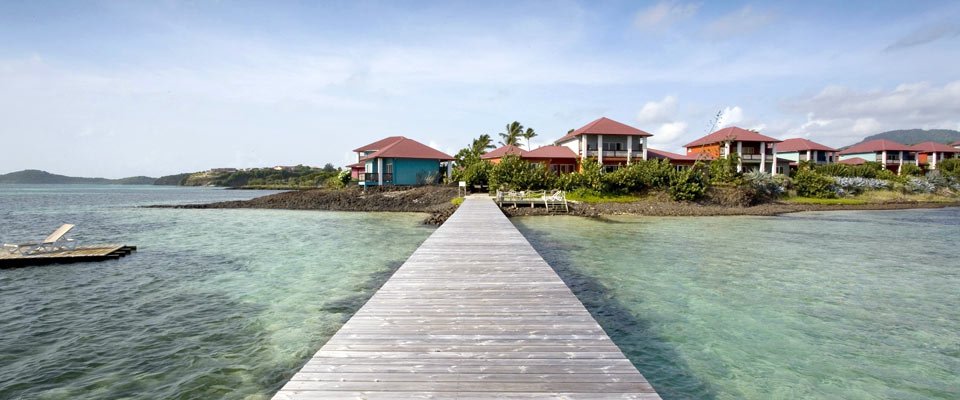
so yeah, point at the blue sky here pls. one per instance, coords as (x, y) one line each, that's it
(128, 88)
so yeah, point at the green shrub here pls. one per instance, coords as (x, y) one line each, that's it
(689, 184)
(910, 170)
(950, 169)
(809, 183)
(513, 173)
(724, 170)
(641, 175)
(475, 173)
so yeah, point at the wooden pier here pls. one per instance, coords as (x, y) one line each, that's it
(80, 254)
(474, 313)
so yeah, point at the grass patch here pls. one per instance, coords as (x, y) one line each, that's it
(889, 196)
(601, 198)
(814, 200)
(457, 201)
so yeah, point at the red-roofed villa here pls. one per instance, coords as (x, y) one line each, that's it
(612, 143)
(558, 159)
(891, 154)
(929, 153)
(798, 149)
(756, 151)
(397, 160)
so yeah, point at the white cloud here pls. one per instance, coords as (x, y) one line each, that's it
(740, 22)
(670, 132)
(839, 115)
(663, 15)
(927, 34)
(730, 117)
(654, 112)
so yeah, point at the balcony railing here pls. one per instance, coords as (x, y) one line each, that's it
(612, 153)
(373, 177)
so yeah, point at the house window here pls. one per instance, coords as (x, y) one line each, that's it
(612, 146)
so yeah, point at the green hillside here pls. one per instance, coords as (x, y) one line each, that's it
(914, 136)
(37, 177)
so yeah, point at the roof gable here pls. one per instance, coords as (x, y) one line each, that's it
(409, 148)
(605, 126)
(502, 151)
(732, 133)
(380, 144)
(658, 154)
(930, 147)
(873, 146)
(800, 144)
(551, 152)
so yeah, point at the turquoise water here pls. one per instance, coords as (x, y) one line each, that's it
(214, 304)
(838, 305)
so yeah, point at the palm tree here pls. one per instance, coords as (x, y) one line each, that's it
(529, 134)
(512, 136)
(482, 144)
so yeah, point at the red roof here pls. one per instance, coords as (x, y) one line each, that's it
(409, 148)
(956, 144)
(800, 144)
(551, 152)
(873, 146)
(605, 126)
(360, 164)
(379, 144)
(853, 161)
(732, 133)
(502, 151)
(654, 153)
(930, 147)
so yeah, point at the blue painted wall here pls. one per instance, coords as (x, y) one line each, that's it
(408, 171)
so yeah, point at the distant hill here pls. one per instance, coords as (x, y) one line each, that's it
(173, 180)
(914, 136)
(37, 177)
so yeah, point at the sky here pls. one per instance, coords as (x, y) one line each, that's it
(121, 88)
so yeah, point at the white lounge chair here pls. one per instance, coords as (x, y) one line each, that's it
(54, 242)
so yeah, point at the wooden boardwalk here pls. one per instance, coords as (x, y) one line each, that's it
(474, 313)
(80, 254)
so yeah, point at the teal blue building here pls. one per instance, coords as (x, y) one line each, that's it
(400, 161)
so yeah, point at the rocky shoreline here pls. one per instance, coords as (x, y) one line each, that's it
(437, 202)
(433, 200)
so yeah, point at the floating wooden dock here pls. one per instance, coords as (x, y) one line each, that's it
(474, 313)
(80, 254)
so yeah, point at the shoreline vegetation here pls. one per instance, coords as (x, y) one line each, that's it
(439, 202)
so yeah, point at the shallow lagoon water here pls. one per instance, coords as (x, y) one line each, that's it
(214, 304)
(852, 305)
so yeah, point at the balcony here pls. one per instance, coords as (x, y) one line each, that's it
(612, 153)
(373, 178)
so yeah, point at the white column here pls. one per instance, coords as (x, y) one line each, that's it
(739, 156)
(883, 158)
(810, 155)
(933, 162)
(726, 147)
(583, 147)
(600, 149)
(900, 166)
(380, 171)
(916, 158)
(763, 156)
(773, 167)
(643, 147)
(629, 148)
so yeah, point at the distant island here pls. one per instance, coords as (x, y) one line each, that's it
(291, 177)
(37, 177)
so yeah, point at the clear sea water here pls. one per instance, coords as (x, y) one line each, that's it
(229, 303)
(214, 304)
(832, 305)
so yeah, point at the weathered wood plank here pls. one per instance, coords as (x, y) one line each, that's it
(474, 313)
